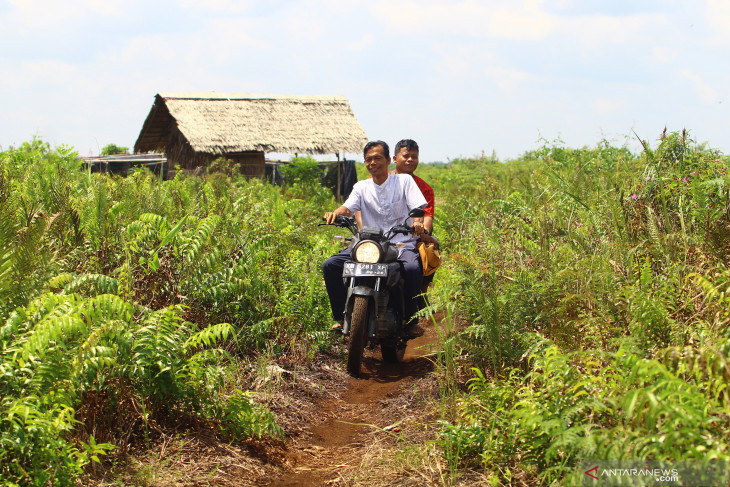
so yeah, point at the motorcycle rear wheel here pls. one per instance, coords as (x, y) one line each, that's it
(358, 328)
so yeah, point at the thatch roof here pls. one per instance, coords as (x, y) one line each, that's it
(223, 123)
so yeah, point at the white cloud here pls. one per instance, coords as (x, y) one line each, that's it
(706, 92)
(485, 73)
(226, 6)
(105, 7)
(216, 45)
(27, 16)
(364, 42)
(461, 61)
(526, 24)
(489, 19)
(663, 54)
(36, 75)
(66, 98)
(525, 20)
(597, 30)
(157, 48)
(604, 106)
(718, 18)
(507, 79)
(226, 40)
(303, 23)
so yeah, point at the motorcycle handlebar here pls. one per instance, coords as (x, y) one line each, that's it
(339, 221)
(402, 229)
(343, 221)
(349, 222)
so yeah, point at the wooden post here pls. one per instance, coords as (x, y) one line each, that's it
(339, 178)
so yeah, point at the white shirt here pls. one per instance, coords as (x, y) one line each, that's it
(387, 204)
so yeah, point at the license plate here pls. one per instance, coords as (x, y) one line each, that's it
(358, 269)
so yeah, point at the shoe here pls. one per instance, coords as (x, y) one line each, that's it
(337, 327)
(415, 331)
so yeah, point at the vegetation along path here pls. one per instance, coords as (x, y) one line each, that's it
(172, 333)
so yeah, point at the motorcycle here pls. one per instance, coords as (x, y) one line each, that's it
(374, 307)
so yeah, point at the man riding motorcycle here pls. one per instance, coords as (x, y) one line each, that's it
(384, 200)
(405, 158)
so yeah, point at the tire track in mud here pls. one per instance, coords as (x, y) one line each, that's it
(339, 440)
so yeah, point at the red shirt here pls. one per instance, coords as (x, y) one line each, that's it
(427, 193)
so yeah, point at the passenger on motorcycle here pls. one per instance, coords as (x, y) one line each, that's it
(384, 200)
(405, 158)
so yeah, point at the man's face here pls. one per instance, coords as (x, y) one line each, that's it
(376, 162)
(406, 161)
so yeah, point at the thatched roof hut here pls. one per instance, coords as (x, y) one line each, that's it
(195, 128)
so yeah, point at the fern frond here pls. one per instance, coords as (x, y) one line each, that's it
(708, 366)
(158, 222)
(99, 283)
(711, 290)
(60, 281)
(652, 227)
(105, 307)
(210, 336)
(158, 344)
(52, 329)
(194, 244)
(647, 275)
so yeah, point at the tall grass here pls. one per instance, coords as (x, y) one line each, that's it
(591, 281)
(127, 303)
(592, 284)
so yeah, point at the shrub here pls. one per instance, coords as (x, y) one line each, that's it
(304, 170)
(111, 149)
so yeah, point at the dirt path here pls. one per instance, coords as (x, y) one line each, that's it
(333, 424)
(339, 435)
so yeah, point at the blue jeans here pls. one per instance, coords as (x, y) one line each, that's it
(410, 260)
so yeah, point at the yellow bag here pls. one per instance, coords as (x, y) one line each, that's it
(430, 257)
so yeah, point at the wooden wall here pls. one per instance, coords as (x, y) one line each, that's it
(253, 164)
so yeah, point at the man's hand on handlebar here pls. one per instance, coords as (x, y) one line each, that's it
(418, 228)
(331, 216)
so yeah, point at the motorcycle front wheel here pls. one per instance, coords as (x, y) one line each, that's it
(358, 328)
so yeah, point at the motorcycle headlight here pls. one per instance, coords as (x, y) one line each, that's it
(368, 252)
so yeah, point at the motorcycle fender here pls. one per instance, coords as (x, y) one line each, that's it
(372, 305)
(361, 291)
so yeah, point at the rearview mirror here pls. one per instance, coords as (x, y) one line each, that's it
(417, 213)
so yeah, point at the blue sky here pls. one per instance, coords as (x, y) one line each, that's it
(461, 77)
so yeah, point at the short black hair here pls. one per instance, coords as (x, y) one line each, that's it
(373, 143)
(409, 144)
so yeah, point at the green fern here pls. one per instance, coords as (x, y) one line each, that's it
(98, 283)
(209, 336)
(242, 418)
(707, 367)
(193, 245)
